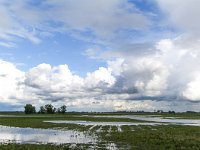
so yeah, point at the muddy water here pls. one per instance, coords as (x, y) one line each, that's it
(43, 136)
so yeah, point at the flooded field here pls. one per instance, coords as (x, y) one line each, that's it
(93, 123)
(151, 120)
(43, 136)
(111, 132)
(171, 120)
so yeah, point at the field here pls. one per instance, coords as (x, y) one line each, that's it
(139, 137)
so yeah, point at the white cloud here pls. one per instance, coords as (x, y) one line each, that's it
(53, 79)
(183, 14)
(45, 84)
(99, 19)
(192, 90)
(146, 75)
(153, 78)
(10, 79)
(128, 78)
(102, 76)
(120, 86)
(13, 25)
(117, 66)
(7, 44)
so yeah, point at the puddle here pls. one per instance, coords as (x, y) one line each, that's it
(171, 120)
(93, 123)
(43, 136)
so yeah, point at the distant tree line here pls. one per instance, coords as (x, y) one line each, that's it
(47, 109)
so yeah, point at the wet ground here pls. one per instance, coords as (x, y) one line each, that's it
(60, 136)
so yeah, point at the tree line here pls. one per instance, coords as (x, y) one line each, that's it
(46, 109)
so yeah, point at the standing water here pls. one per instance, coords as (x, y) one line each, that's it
(43, 136)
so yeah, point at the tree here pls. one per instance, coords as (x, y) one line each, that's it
(42, 110)
(59, 110)
(29, 109)
(171, 112)
(50, 109)
(62, 109)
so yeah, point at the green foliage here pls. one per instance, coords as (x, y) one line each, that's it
(50, 109)
(62, 109)
(42, 110)
(29, 109)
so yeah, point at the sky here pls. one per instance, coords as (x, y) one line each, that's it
(102, 55)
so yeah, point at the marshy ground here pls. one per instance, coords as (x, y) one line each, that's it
(99, 131)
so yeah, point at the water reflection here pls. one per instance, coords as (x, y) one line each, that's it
(93, 123)
(171, 120)
(44, 136)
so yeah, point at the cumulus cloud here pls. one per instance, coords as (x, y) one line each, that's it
(10, 79)
(47, 84)
(192, 91)
(168, 75)
(133, 82)
(102, 76)
(52, 78)
(170, 72)
(144, 76)
(59, 84)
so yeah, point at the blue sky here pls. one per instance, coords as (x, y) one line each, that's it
(60, 49)
(110, 55)
(64, 48)
(64, 41)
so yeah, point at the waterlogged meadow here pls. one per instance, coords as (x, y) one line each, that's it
(100, 131)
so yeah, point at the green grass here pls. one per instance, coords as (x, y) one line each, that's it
(164, 137)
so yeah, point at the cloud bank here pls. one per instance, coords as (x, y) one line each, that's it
(140, 74)
(127, 83)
